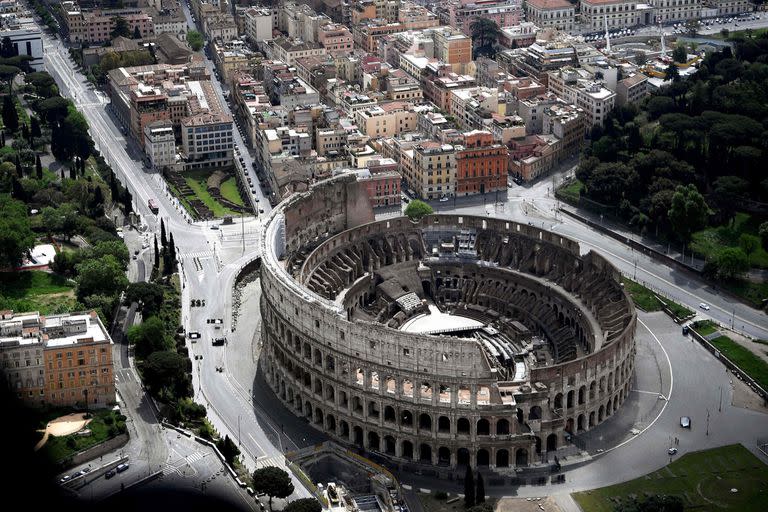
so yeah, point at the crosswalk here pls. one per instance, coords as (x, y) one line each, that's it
(197, 254)
(196, 456)
(275, 460)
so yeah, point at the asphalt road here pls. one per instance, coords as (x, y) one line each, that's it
(211, 260)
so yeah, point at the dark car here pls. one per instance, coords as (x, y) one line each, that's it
(685, 330)
(122, 467)
(109, 474)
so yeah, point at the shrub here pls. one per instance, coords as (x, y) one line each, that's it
(441, 495)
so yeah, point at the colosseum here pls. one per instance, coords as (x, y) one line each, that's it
(451, 341)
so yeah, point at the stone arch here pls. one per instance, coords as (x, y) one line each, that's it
(538, 444)
(592, 389)
(569, 425)
(569, 401)
(375, 380)
(483, 427)
(608, 408)
(330, 423)
(359, 375)
(318, 416)
(425, 422)
(534, 413)
(406, 419)
(502, 427)
(390, 385)
(559, 401)
(318, 387)
(373, 441)
(330, 363)
(308, 409)
(521, 457)
(580, 423)
(483, 458)
(318, 359)
(344, 429)
(357, 435)
(462, 457)
(591, 419)
(600, 414)
(389, 414)
(407, 450)
(444, 424)
(389, 445)
(462, 426)
(307, 351)
(407, 388)
(551, 442)
(443, 456)
(425, 453)
(502, 458)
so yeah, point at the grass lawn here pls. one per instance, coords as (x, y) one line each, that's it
(754, 293)
(36, 291)
(646, 300)
(756, 32)
(197, 182)
(702, 479)
(572, 191)
(707, 243)
(229, 191)
(59, 448)
(744, 359)
(705, 327)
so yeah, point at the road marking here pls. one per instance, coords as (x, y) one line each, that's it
(257, 443)
(666, 402)
(646, 392)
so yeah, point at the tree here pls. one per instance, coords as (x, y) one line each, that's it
(763, 230)
(8, 49)
(272, 481)
(688, 212)
(304, 505)
(485, 35)
(103, 276)
(10, 115)
(163, 238)
(165, 374)
(749, 244)
(136, 32)
(171, 255)
(727, 192)
(195, 40)
(7, 74)
(148, 337)
(680, 54)
(417, 209)
(38, 167)
(16, 237)
(53, 109)
(62, 220)
(120, 27)
(725, 33)
(228, 449)
(692, 27)
(480, 495)
(469, 488)
(157, 255)
(150, 295)
(672, 73)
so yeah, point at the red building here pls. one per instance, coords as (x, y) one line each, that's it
(382, 182)
(481, 166)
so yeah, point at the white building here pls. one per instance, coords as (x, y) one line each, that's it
(579, 87)
(596, 14)
(258, 24)
(26, 38)
(160, 144)
(559, 14)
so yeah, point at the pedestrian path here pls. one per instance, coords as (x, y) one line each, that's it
(274, 460)
(197, 254)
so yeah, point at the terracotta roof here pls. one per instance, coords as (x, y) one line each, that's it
(549, 4)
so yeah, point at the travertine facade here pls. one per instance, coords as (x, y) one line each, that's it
(554, 357)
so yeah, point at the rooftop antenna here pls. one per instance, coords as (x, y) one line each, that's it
(607, 36)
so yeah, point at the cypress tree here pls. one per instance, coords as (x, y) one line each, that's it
(38, 167)
(73, 172)
(172, 253)
(113, 185)
(163, 239)
(157, 254)
(469, 488)
(35, 129)
(19, 168)
(480, 494)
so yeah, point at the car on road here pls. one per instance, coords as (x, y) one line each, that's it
(685, 421)
(109, 474)
(65, 478)
(194, 335)
(686, 329)
(443, 199)
(214, 227)
(672, 451)
(704, 306)
(122, 467)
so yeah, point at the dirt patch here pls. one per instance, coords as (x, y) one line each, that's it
(746, 398)
(63, 426)
(523, 505)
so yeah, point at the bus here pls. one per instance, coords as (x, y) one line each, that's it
(152, 206)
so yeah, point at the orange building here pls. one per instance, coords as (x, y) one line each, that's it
(78, 361)
(481, 166)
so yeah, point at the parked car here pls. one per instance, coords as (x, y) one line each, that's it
(109, 474)
(685, 421)
(704, 306)
(672, 451)
(122, 467)
(686, 329)
(65, 478)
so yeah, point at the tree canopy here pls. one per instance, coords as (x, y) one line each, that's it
(417, 209)
(485, 36)
(16, 236)
(195, 40)
(165, 374)
(304, 505)
(120, 27)
(272, 481)
(100, 276)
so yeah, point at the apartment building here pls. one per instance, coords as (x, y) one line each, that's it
(437, 88)
(568, 123)
(206, 140)
(416, 17)
(538, 59)
(26, 38)
(381, 182)
(471, 105)
(460, 13)
(285, 88)
(559, 14)
(452, 47)
(160, 144)
(481, 164)
(432, 173)
(220, 25)
(57, 360)
(386, 119)
(632, 89)
(675, 10)
(288, 50)
(258, 24)
(367, 35)
(233, 56)
(399, 85)
(579, 87)
(95, 27)
(616, 13)
(330, 141)
(519, 36)
(335, 38)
